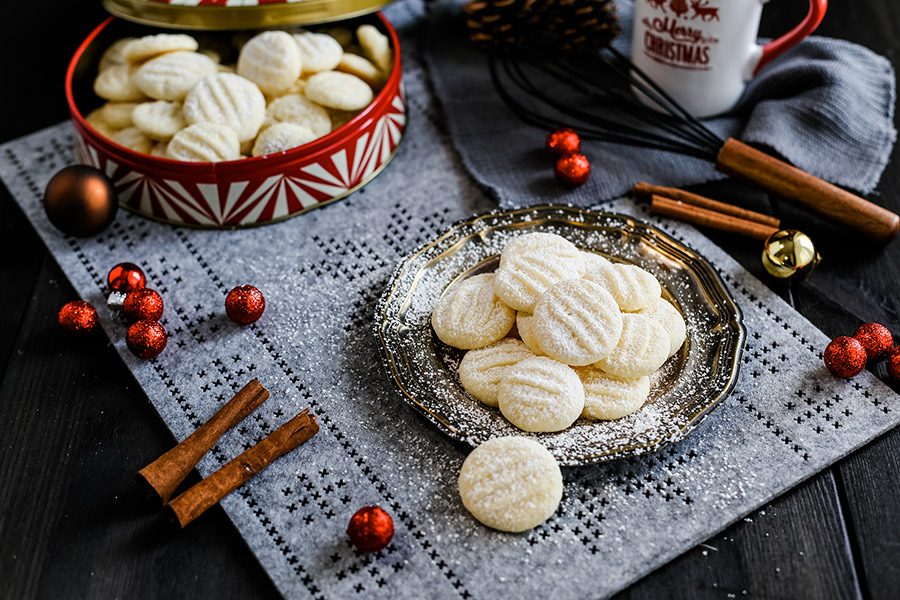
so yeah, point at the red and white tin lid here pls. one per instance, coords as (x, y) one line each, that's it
(239, 14)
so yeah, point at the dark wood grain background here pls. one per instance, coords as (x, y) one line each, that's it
(74, 425)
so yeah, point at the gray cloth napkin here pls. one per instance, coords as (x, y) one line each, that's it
(827, 106)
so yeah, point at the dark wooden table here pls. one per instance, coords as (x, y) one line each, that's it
(74, 425)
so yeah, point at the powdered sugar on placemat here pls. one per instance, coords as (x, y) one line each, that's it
(322, 274)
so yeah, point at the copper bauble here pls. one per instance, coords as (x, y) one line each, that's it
(245, 304)
(370, 529)
(790, 255)
(80, 201)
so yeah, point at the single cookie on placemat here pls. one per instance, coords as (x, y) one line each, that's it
(642, 349)
(666, 313)
(633, 288)
(160, 120)
(607, 398)
(172, 75)
(229, 100)
(525, 327)
(470, 316)
(481, 371)
(318, 51)
(533, 262)
(205, 142)
(577, 322)
(342, 91)
(540, 394)
(271, 60)
(510, 483)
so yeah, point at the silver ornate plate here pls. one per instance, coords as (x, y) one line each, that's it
(684, 391)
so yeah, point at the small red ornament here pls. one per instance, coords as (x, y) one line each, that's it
(146, 339)
(371, 528)
(143, 305)
(563, 142)
(78, 317)
(893, 364)
(245, 304)
(126, 277)
(845, 357)
(573, 170)
(876, 339)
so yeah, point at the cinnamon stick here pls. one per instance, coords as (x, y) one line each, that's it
(643, 188)
(196, 500)
(169, 470)
(708, 218)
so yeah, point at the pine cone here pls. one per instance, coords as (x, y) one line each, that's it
(504, 23)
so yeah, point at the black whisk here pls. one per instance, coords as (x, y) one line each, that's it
(550, 82)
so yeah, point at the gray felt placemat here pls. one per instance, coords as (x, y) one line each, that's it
(322, 273)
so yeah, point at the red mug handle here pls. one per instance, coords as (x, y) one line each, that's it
(779, 46)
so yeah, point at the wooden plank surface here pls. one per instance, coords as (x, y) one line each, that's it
(75, 425)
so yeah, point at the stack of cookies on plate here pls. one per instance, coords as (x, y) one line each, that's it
(168, 97)
(591, 332)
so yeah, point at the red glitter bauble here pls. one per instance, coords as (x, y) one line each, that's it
(143, 305)
(876, 339)
(77, 317)
(573, 170)
(563, 142)
(845, 357)
(245, 304)
(146, 339)
(126, 277)
(893, 364)
(371, 528)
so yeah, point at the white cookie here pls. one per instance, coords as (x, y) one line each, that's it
(113, 55)
(118, 114)
(281, 137)
(271, 60)
(525, 327)
(633, 288)
(469, 315)
(642, 349)
(133, 138)
(318, 51)
(672, 322)
(141, 49)
(511, 484)
(227, 99)
(362, 68)
(607, 398)
(376, 46)
(577, 322)
(594, 263)
(481, 371)
(540, 394)
(116, 83)
(342, 91)
(533, 262)
(160, 120)
(172, 75)
(299, 110)
(96, 120)
(205, 142)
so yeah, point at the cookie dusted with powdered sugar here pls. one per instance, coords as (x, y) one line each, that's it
(510, 484)
(470, 316)
(540, 394)
(672, 321)
(482, 370)
(633, 288)
(643, 347)
(607, 398)
(533, 262)
(229, 100)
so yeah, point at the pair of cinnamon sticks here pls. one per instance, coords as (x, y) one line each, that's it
(706, 212)
(166, 473)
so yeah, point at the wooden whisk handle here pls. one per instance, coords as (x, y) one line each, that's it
(823, 198)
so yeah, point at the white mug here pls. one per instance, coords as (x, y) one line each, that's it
(703, 52)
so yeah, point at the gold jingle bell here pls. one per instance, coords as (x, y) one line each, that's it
(790, 255)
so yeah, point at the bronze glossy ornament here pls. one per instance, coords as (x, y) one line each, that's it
(80, 201)
(790, 254)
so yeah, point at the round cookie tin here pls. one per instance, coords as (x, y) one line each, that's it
(249, 191)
